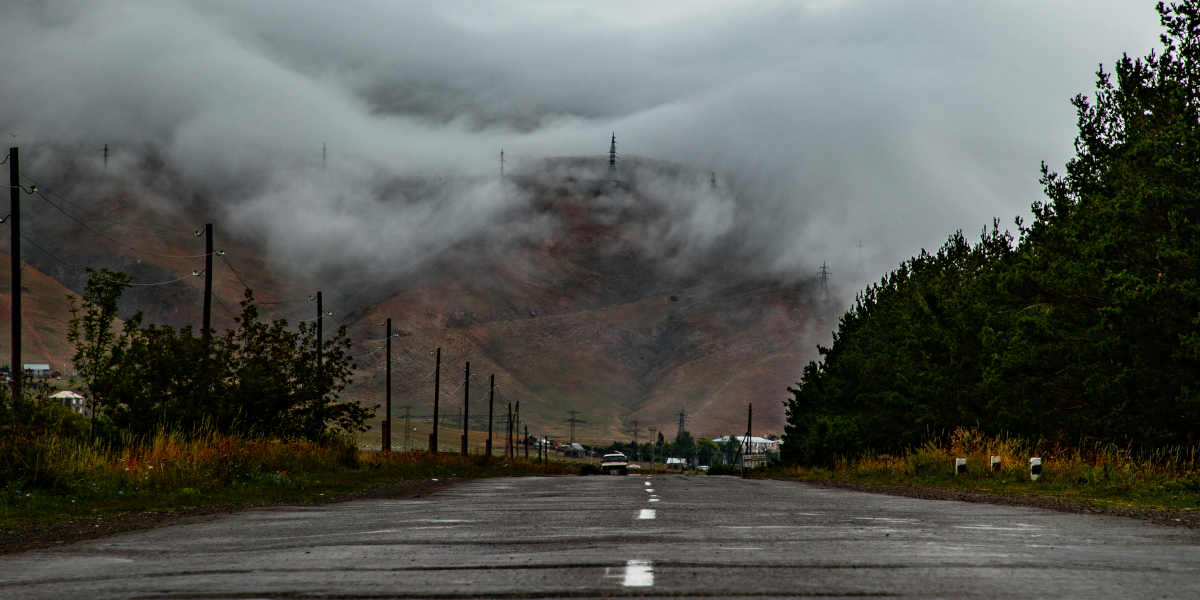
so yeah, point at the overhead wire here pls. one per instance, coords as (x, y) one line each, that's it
(120, 244)
(81, 267)
(157, 283)
(52, 255)
(235, 272)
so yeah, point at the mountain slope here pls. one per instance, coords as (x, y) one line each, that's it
(587, 292)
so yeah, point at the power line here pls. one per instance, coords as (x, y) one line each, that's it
(52, 255)
(84, 267)
(45, 196)
(192, 274)
(234, 271)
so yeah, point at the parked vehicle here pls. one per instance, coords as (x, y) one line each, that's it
(615, 464)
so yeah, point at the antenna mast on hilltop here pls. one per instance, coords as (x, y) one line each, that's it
(824, 276)
(502, 163)
(612, 153)
(682, 423)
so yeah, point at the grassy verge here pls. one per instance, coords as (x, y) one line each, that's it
(1103, 476)
(66, 482)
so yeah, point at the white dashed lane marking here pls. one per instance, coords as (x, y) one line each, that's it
(638, 573)
(646, 513)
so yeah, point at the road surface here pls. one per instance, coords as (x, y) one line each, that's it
(604, 536)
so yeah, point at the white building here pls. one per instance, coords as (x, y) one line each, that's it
(72, 401)
(758, 445)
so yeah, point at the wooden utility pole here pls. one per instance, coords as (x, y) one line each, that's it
(466, 406)
(387, 422)
(491, 402)
(653, 448)
(14, 244)
(320, 321)
(407, 430)
(749, 420)
(508, 442)
(437, 383)
(206, 327)
(526, 442)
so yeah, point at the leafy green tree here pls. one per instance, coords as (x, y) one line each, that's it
(99, 348)
(706, 449)
(259, 378)
(684, 447)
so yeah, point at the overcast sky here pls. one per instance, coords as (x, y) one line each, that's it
(890, 123)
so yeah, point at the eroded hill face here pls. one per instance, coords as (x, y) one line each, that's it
(626, 297)
(614, 314)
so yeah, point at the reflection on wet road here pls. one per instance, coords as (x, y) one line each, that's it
(646, 536)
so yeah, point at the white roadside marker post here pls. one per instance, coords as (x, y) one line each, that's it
(995, 464)
(1035, 468)
(960, 466)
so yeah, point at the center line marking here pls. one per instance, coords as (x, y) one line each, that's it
(646, 513)
(638, 573)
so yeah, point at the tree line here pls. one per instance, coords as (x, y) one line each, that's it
(261, 378)
(1084, 327)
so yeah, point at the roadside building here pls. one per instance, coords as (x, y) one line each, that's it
(38, 370)
(758, 445)
(71, 400)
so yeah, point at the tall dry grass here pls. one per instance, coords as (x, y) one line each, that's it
(171, 461)
(1103, 468)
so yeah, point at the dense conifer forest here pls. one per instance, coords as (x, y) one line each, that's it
(1081, 327)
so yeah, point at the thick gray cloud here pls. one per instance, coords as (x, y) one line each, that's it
(832, 122)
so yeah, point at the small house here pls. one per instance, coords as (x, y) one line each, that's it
(72, 401)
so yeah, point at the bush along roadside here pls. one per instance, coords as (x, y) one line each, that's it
(1100, 475)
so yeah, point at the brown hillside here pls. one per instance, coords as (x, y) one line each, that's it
(45, 312)
(593, 316)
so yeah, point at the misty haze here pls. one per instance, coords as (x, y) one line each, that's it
(358, 152)
(528, 299)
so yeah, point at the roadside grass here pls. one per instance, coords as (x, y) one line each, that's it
(1098, 475)
(67, 480)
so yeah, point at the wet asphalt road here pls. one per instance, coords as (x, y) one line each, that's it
(667, 535)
